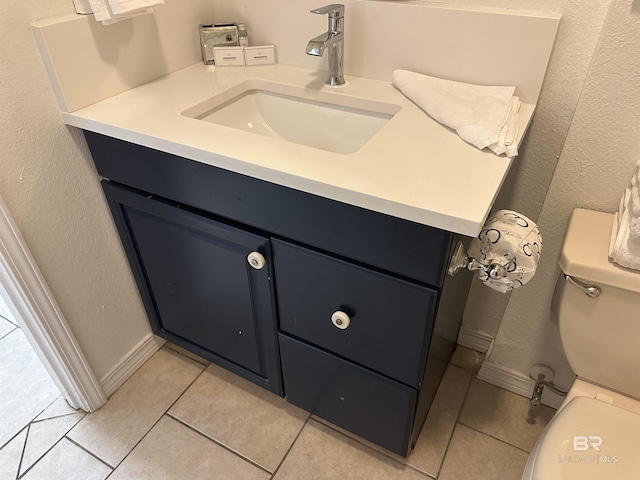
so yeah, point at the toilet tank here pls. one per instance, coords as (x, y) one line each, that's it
(600, 336)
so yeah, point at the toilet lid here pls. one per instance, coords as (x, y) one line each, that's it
(589, 439)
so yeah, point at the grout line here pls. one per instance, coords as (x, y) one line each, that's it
(291, 446)
(60, 416)
(356, 438)
(186, 388)
(217, 442)
(24, 447)
(50, 448)
(202, 361)
(9, 320)
(376, 449)
(12, 438)
(495, 438)
(83, 448)
(202, 433)
(51, 403)
(9, 332)
(27, 425)
(134, 447)
(159, 418)
(456, 421)
(404, 461)
(45, 408)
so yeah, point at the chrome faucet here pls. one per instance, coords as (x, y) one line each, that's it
(333, 40)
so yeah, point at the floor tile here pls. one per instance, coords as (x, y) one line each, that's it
(475, 456)
(6, 327)
(257, 424)
(467, 359)
(45, 434)
(187, 353)
(10, 456)
(26, 388)
(58, 408)
(67, 461)
(174, 451)
(504, 415)
(434, 438)
(323, 453)
(5, 312)
(111, 432)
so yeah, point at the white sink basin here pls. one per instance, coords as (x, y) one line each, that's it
(315, 118)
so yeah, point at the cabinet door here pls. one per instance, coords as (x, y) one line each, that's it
(198, 288)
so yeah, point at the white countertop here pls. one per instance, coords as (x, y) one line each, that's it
(413, 168)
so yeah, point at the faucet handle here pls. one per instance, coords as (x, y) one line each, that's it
(335, 10)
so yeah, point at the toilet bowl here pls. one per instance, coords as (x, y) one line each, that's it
(596, 432)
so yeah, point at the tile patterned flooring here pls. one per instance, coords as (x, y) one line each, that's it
(156, 426)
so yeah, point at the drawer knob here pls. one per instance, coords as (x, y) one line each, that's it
(256, 260)
(340, 320)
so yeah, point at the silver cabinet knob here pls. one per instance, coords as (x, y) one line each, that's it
(256, 260)
(340, 320)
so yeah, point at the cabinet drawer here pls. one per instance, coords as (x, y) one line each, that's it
(390, 319)
(369, 405)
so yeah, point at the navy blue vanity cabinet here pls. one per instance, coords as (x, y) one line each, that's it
(197, 285)
(351, 317)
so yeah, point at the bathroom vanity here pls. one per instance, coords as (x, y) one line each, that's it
(311, 262)
(314, 270)
(264, 279)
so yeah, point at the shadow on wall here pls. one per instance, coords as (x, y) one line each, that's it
(113, 50)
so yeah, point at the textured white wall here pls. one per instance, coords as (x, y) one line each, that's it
(595, 166)
(528, 181)
(52, 191)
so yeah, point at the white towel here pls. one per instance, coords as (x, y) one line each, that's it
(623, 249)
(112, 11)
(484, 116)
(634, 204)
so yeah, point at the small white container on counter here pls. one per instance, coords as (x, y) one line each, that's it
(233, 56)
(262, 55)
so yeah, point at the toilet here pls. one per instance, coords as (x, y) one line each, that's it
(596, 432)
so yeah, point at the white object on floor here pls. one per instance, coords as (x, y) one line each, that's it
(112, 11)
(484, 116)
(624, 249)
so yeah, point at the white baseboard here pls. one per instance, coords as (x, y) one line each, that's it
(516, 382)
(474, 339)
(128, 364)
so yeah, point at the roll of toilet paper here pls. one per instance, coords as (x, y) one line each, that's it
(511, 241)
